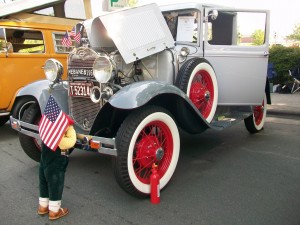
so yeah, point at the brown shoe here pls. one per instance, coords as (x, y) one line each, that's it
(43, 210)
(60, 213)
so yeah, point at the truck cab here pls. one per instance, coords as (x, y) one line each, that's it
(139, 74)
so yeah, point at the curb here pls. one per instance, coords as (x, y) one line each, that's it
(283, 112)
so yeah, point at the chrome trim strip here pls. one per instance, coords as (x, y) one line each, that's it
(28, 125)
(25, 128)
(18, 126)
(4, 114)
(108, 151)
(30, 133)
(107, 141)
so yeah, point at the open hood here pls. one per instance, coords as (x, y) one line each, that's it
(136, 32)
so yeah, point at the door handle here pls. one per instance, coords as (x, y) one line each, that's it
(266, 53)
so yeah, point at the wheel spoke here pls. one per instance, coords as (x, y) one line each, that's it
(141, 168)
(152, 137)
(202, 92)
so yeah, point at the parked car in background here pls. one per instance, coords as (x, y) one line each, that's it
(160, 68)
(26, 42)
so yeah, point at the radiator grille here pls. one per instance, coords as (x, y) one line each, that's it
(83, 110)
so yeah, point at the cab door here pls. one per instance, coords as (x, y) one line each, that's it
(21, 63)
(236, 44)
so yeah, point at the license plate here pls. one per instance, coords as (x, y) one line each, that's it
(80, 89)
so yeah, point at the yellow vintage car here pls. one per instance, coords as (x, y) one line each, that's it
(26, 42)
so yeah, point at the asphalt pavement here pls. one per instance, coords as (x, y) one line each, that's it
(285, 104)
(222, 178)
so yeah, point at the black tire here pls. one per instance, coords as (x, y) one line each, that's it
(3, 120)
(30, 145)
(198, 80)
(21, 105)
(255, 122)
(148, 135)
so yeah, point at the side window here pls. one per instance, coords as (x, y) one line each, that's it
(59, 47)
(25, 41)
(183, 25)
(237, 28)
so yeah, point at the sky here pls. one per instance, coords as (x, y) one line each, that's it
(284, 15)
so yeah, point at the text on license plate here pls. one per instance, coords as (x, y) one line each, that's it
(80, 89)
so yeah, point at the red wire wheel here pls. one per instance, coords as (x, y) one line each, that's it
(258, 113)
(198, 80)
(202, 92)
(255, 122)
(154, 145)
(148, 135)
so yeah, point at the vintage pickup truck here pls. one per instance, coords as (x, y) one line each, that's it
(140, 73)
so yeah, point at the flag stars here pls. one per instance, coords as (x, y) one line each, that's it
(52, 110)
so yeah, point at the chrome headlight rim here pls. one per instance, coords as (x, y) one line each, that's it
(103, 69)
(53, 70)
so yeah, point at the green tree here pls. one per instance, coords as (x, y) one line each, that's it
(258, 37)
(296, 34)
(284, 59)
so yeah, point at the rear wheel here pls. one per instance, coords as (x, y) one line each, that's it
(31, 146)
(198, 80)
(255, 122)
(148, 135)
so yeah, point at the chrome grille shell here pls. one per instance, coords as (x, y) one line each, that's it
(80, 67)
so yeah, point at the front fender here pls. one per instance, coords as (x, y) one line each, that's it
(151, 92)
(138, 94)
(41, 91)
(34, 89)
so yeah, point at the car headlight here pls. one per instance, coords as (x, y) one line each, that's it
(53, 70)
(102, 69)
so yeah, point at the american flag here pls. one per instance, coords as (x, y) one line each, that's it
(66, 41)
(53, 124)
(77, 37)
(72, 34)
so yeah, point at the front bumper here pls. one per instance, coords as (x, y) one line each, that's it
(102, 145)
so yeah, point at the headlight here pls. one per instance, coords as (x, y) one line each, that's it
(53, 70)
(102, 69)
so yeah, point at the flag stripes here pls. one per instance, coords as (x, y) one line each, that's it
(53, 124)
(67, 41)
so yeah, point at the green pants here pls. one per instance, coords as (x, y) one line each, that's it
(52, 173)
